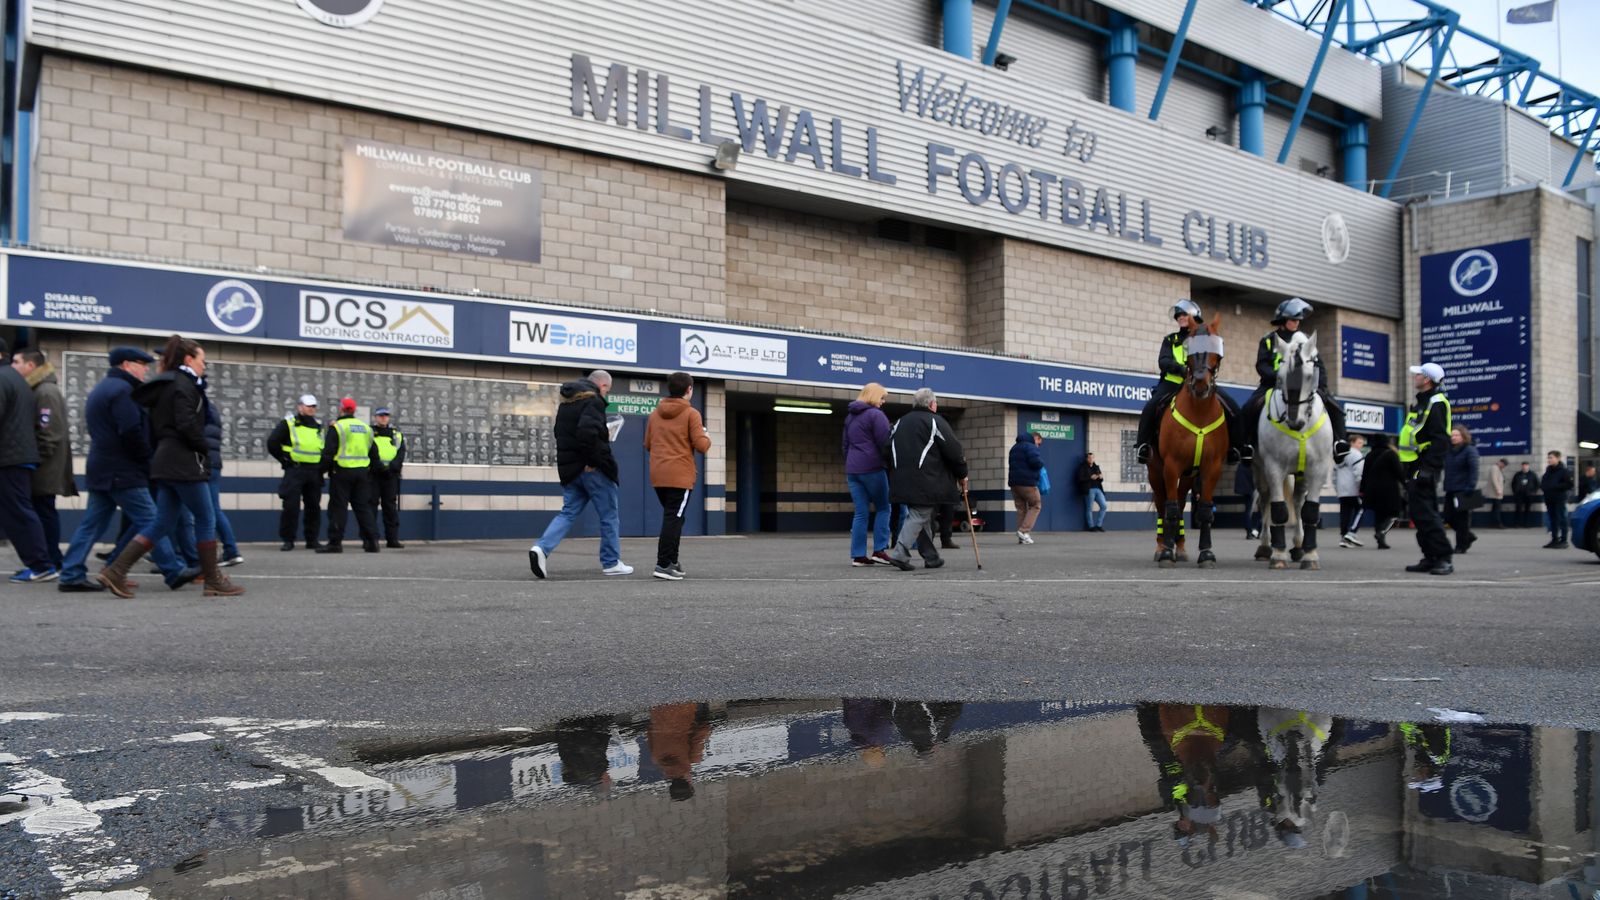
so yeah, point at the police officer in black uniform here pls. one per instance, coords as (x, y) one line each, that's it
(1424, 442)
(349, 455)
(1291, 314)
(1173, 365)
(296, 443)
(386, 474)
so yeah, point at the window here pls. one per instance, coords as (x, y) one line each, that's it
(1588, 341)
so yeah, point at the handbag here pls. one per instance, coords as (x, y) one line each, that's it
(1044, 482)
(1471, 500)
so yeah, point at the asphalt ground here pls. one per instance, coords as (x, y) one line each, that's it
(160, 716)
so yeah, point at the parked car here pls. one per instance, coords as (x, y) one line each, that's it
(1586, 524)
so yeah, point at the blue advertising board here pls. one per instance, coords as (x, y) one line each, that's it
(53, 291)
(1475, 323)
(1364, 354)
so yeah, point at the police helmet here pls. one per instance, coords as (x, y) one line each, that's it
(1292, 308)
(1187, 307)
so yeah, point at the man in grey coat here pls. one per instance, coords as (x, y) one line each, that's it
(53, 478)
(929, 469)
(19, 456)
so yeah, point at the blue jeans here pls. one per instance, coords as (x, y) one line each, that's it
(1095, 498)
(172, 498)
(185, 536)
(1558, 516)
(590, 487)
(869, 488)
(140, 509)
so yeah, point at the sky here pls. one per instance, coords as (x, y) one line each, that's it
(1578, 35)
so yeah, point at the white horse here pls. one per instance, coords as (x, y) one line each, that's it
(1294, 456)
(1295, 743)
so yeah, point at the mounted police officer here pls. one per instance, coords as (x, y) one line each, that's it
(296, 443)
(348, 456)
(1173, 363)
(1291, 314)
(386, 474)
(1424, 441)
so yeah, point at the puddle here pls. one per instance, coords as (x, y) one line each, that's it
(939, 801)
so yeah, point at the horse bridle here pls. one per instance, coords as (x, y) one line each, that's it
(1291, 393)
(1212, 369)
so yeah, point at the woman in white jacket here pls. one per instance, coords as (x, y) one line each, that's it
(1347, 484)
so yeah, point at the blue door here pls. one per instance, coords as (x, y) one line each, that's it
(1063, 450)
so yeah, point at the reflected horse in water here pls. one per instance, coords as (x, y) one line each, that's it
(1190, 452)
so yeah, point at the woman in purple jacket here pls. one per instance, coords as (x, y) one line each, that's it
(866, 446)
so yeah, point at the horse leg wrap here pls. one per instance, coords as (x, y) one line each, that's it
(1280, 518)
(1173, 515)
(1310, 521)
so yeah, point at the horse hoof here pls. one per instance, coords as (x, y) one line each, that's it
(1310, 565)
(1297, 554)
(1156, 557)
(1263, 553)
(1168, 563)
(1208, 564)
(1278, 564)
(1183, 557)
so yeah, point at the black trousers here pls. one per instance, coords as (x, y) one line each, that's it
(44, 505)
(1460, 520)
(1350, 510)
(350, 489)
(19, 523)
(386, 493)
(1524, 505)
(301, 487)
(1422, 503)
(674, 506)
(1497, 512)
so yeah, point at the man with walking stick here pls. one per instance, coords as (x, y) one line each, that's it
(929, 469)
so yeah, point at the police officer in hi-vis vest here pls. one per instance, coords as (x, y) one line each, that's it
(1424, 441)
(296, 443)
(348, 455)
(386, 474)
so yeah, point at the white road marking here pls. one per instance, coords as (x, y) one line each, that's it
(64, 831)
(7, 759)
(248, 785)
(129, 894)
(27, 716)
(1000, 580)
(190, 737)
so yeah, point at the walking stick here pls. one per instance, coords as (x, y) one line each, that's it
(971, 529)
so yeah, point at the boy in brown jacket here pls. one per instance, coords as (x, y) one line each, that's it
(672, 436)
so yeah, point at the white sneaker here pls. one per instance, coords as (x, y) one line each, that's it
(537, 561)
(1344, 544)
(1022, 538)
(621, 568)
(1026, 538)
(1353, 541)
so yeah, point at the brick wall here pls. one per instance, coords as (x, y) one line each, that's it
(139, 162)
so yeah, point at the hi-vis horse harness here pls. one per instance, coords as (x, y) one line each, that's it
(1300, 436)
(1200, 432)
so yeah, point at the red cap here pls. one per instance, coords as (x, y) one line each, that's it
(348, 404)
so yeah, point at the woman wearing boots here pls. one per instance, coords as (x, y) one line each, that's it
(1460, 481)
(1383, 487)
(179, 472)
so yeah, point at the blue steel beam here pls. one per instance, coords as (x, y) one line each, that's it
(1422, 100)
(1311, 81)
(957, 20)
(1583, 150)
(1173, 56)
(1001, 13)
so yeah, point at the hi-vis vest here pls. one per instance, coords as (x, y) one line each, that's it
(355, 443)
(305, 442)
(389, 447)
(1409, 449)
(1277, 358)
(1181, 354)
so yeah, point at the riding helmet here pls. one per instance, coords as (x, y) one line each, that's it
(1292, 308)
(1187, 307)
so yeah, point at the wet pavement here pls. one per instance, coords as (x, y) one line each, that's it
(434, 723)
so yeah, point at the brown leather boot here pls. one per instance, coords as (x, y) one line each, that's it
(115, 575)
(217, 584)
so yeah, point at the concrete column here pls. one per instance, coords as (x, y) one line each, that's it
(1122, 61)
(957, 19)
(1253, 114)
(1353, 150)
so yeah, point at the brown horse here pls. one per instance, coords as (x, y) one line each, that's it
(1193, 445)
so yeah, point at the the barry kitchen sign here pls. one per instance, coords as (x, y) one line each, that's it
(622, 94)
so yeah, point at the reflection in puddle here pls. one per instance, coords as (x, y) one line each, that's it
(876, 798)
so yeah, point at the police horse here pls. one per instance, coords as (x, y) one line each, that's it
(1294, 456)
(1190, 451)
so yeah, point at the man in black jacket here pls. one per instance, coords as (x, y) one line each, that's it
(296, 443)
(1524, 487)
(929, 469)
(1556, 484)
(19, 456)
(588, 473)
(1424, 442)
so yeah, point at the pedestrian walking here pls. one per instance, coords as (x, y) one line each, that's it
(1383, 481)
(1092, 484)
(1556, 484)
(386, 474)
(1347, 484)
(117, 475)
(296, 443)
(588, 473)
(1025, 468)
(348, 456)
(1461, 486)
(1497, 493)
(1423, 441)
(176, 400)
(673, 434)
(865, 444)
(1244, 485)
(929, 470)
(19, 456)
(53, 478)
(1524, 490)
(229, 555)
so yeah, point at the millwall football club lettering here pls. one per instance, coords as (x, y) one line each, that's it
(635, 97)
